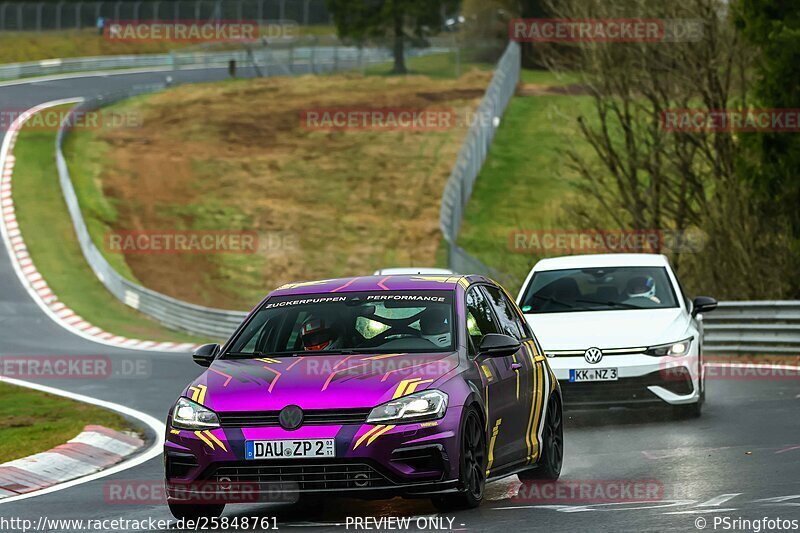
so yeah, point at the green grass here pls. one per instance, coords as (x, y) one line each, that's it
(53, 245)
(526, 174)
(546, 77)
(438, 66)
(17, 47)
(33, 421)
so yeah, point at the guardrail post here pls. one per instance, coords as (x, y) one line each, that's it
(39, 8)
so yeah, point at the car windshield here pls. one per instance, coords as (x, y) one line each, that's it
(374, 322)
(599, 289)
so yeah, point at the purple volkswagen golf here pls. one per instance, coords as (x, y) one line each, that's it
(418, 386)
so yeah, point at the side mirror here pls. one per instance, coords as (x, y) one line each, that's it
(497, 345)
(205, 354)
(703, 304)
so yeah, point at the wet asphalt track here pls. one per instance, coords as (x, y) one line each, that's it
(703, 465)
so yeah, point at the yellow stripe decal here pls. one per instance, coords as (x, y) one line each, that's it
(402, 386)
(413, 386)
(174, 431)
(516, 371)
(539, 392)
(216, 440)
(204, 439)
(528, 440)
(363, 437)
(378, 434)
(495, 431)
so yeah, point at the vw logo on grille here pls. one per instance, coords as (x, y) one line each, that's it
(291, 417)
(593, 355)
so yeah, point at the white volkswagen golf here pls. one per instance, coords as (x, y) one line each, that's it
(618, 330)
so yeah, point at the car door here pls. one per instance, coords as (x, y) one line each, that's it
(499, 378)
(528, 369)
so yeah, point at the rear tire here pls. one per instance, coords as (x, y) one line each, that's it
(472, 468)
(552, 457)
(193, 511)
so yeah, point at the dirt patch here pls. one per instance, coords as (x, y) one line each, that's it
(538, 89)
(237, 156)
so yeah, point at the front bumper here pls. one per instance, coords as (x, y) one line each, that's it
(642, 380)
(371, 461)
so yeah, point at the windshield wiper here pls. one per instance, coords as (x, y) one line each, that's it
(610, 303)
(553, 300)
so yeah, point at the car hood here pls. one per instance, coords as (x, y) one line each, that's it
(317, 381)
(609, 329)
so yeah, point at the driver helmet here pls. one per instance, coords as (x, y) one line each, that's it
(319, 333)
(434, 324)
(641, 287)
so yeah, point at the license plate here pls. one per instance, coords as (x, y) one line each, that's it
(289, 449)
(593, 374)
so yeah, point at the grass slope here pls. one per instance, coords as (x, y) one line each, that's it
(33, 421)
(48, 233)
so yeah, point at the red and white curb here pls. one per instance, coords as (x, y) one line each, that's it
(26, 271)
(102, 441)
(93, 450)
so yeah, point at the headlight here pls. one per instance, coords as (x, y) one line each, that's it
(427, 405)
(674, 348)
(190, 415)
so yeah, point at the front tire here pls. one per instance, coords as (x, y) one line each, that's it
(552, 457)
(472, 467)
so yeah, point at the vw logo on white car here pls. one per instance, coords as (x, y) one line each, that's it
(593, 355)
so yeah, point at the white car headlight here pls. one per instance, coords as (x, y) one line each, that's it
(191, 415)
(674, 348)
(429, 404)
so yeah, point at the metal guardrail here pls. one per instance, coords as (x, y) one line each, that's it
(756, 327)
(287, 60)
(470, 160)
(174, 313)
(38, 16)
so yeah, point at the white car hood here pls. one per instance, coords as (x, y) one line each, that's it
(609, 329)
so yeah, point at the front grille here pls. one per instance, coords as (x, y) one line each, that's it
(607, 352)
(316, 417)
(626, 389)
(318, 475)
